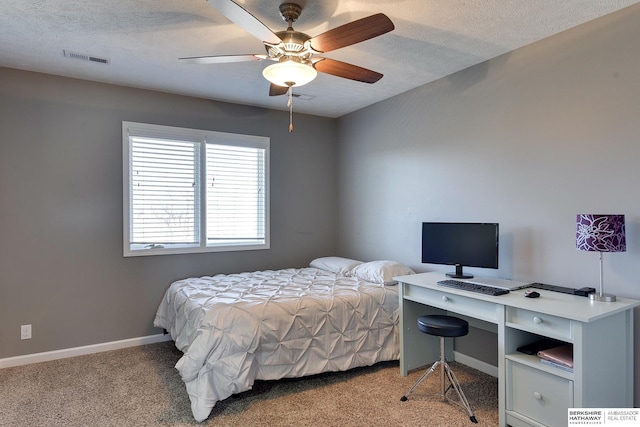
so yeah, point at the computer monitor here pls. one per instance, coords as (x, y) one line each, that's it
(463, 244)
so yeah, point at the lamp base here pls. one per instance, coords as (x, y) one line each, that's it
(602, 297)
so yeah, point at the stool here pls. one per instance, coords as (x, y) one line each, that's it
(444, 326)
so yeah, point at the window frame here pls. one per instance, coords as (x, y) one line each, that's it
(201, 137)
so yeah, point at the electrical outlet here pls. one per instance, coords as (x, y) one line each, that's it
(25, 332)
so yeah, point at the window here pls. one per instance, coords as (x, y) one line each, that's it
(189, 190)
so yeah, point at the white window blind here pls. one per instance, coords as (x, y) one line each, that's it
(165, 192)
(235, 194)
(193, 191)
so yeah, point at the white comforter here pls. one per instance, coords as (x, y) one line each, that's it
(267, 325)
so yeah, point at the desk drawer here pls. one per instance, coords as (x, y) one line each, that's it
(543, 324)
(473, 307)
(538, 395)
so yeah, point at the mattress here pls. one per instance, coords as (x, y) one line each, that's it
(236, 328)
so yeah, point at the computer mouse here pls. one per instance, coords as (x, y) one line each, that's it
(531, 294)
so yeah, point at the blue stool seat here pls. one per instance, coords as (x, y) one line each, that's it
(443, 326)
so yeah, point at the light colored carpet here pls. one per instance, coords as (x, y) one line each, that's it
(139, 387)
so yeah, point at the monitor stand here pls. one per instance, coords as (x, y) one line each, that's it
(459, 274)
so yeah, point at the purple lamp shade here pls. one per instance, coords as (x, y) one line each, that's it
(600, 233)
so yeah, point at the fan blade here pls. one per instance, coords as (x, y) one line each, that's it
(222, 59)
(352, 33)
(275, 90)
(346, 71)
(241, 17)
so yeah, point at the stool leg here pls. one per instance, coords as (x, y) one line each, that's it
(456, 386)
(445, 372)
(443, 364)
(425, 375)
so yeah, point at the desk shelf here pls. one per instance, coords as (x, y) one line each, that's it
(535, 363)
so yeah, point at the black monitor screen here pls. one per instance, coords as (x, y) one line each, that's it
(460, 244)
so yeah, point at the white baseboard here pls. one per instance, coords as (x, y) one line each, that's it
(476, 364)
(80, 351)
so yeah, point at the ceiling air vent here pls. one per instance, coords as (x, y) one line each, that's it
(85, 57)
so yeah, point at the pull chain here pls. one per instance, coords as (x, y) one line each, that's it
(290, 105)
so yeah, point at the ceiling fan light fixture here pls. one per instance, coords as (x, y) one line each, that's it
(289, 73)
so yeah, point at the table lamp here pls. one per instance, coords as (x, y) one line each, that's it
(600, 233)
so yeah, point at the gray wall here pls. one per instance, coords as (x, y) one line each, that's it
(529, 140)
(61, 264)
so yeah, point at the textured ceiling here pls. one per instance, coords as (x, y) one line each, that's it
(143, 39)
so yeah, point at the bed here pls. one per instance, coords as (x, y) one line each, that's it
(233, 329)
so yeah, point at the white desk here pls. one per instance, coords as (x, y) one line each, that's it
(529, 392)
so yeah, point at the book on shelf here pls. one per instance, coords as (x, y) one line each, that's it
(536, 346)
(560, 356)
(556, 365)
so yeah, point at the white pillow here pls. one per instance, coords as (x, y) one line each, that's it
(335, 264)
(381, 271)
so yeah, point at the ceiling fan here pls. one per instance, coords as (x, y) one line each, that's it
(296, 53)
